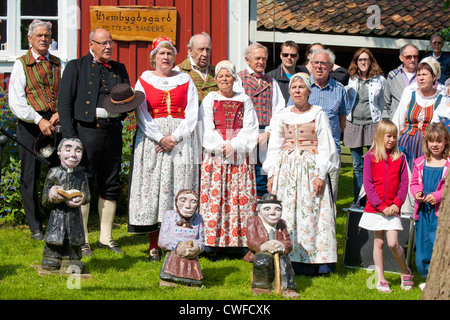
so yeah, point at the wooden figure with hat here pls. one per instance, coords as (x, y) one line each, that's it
(269, 243)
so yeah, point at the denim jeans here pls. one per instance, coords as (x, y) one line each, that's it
(358, 164)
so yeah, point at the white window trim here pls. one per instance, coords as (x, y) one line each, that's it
(69, 23)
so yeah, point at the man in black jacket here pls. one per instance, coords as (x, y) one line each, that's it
(289, 56)
(86, 83)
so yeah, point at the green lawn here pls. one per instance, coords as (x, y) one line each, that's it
(131, 277)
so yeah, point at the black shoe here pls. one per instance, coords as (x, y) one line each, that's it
(113, 246)
(153, 255)
(86, 251)
(37, 235)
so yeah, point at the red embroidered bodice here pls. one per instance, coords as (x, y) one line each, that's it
(228, 117)
(163, 104)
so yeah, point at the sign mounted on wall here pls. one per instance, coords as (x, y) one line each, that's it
(135, 23)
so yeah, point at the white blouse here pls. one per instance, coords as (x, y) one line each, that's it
(145, 121)
(244, 141)
(399, 116)
(327, 155)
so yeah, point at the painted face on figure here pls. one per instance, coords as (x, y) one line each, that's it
(270, 213)
(390, 140)
(70, 154)
(187, 204)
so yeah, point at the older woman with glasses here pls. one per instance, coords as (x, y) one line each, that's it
(416, 108)
(365, 90)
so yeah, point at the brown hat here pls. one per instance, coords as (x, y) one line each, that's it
(123, 99)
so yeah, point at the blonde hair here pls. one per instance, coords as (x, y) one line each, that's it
(436, 132)
(384, 127)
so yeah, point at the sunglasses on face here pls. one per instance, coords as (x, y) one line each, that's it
(363, 59)
(285, 55)
(410, 57)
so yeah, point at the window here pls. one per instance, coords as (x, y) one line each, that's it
(16, 16)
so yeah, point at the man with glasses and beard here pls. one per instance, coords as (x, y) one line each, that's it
(86, 83)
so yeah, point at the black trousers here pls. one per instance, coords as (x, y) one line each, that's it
(27, 133)
(102, 156)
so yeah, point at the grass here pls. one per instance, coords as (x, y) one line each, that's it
(131, 277)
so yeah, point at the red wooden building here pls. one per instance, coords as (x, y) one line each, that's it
(193, 16)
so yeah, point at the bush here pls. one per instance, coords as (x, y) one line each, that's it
(11, 210)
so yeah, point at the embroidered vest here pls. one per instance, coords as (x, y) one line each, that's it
(43, 80)
(203, 86)
(261, 93)
(300, 136)
(163, 104)
(228, 117)
(412, 122)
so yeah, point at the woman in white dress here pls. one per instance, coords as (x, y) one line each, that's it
(164, 159)
(301, 154)
(228, 185)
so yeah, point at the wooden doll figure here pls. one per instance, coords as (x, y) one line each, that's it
(182, 236)
(65, 190)
(270, 244)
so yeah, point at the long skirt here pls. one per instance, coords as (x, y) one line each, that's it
(158, 176)
(412, 146)
(228, 198)
(310, 219)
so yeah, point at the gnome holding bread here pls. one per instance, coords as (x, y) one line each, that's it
(65, 190)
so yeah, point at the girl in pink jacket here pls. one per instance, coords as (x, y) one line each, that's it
(427, 185)
(385, 180)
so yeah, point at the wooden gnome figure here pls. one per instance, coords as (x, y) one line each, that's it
(270, 244)
(65, 190)
(182, 236)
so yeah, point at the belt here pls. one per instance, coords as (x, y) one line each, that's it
(100, 122)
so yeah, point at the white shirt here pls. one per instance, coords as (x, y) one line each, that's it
(278, 103)
(17, 98)
(327, 155)
(212, 140)
(187, 125)
(399, 116)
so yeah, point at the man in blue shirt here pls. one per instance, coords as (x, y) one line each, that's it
(332, 97)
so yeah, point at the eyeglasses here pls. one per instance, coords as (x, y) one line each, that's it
(410, 57)
(363, 59)
(321, 63)
(292, 55)
(104, 44)
(437, 42)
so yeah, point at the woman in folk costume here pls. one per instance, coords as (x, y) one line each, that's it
(164, 159)
(301, 153)
(416, 108)
(228, 186)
